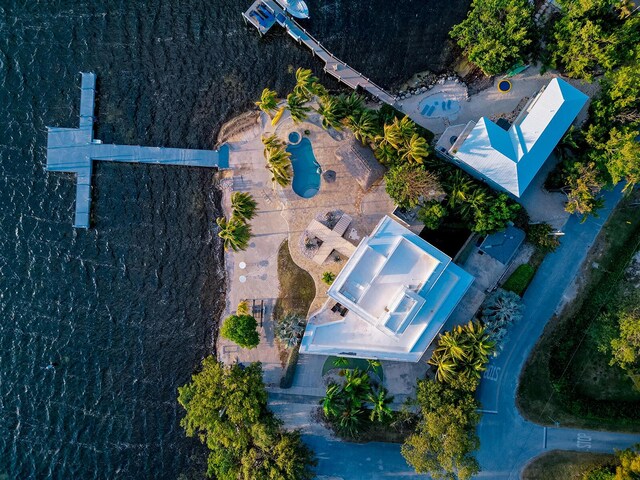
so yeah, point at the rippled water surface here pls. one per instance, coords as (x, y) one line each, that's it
(127, 308)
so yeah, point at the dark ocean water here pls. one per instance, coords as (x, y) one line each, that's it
(128, 308)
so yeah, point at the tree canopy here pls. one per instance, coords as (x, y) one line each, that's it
(497, 34)
(445, 436)
(241, 329)
(410, 185)
(226, 407)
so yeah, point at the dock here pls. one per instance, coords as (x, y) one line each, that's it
(263, 14)
(74, 150)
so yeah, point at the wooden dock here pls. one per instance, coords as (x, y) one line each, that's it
(73, 150)
(332, 65)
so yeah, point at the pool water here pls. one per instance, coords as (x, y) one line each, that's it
(306, 170)
(438, 105)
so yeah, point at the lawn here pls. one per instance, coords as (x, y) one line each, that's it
(520, 279)
(568, 378)
(297, 289)
(560, 464)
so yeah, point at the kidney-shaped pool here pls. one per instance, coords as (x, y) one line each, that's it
(306, 170)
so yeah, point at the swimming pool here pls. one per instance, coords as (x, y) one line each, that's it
(438, 105)
(306, 170)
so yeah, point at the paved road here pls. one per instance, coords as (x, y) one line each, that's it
(508, 441)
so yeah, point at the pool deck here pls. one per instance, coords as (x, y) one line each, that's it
(283, 215)
(73, 150)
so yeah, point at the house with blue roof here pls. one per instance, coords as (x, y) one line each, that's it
(509, 159)
(390, 300)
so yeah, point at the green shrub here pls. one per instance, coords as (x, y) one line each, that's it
(539, 234)
(519, 279)
(241, 329)
(328, 277)
(432, 214)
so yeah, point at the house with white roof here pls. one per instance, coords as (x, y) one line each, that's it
(389, 301)
(509, 159)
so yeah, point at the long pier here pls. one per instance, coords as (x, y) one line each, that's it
(73, 150)
(335, 67)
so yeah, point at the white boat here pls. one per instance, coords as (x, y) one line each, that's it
(297, 8)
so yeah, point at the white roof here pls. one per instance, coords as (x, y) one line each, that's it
(511, 158)
(399, 291)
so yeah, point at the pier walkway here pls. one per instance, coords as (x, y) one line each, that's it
(263, 14)
(73, 150)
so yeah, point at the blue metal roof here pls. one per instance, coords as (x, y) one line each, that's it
(512, 158)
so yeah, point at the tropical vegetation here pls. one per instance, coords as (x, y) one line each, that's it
(462, 355)
(541, 236)
(241, 329)
(243, 206)
(358, 401)
(625, 466)
(445, 437)
(410, 185)
(226, 408)
(328, 277)
(497, 34)
(289, 329)
(278, 160)
(499, 311)
(268, 102)
(235, 233)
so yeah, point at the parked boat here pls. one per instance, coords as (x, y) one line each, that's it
(297, 8)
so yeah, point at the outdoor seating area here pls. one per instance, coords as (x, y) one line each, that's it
(331, 239)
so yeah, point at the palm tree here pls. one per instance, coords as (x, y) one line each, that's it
(372, 364)
(363, 125)
(350, 421)
(445, 367)
(341, 362)
(332, 403)
(385, 153)
(356, 387)
(297, 107)
(457, 187)
(474, 201)
(380, 405)
(307, 85)
(415, 149)
(243, 206)
(235, 233)
(268, 102)
(350, 104)
(450, 345)
(331, 113)
(272, 141)
(279, 164)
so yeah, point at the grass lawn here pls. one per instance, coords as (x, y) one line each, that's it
(297, 289)
(560, 464)
(568, 379)
(520, 279)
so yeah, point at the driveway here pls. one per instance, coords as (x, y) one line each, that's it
(508, 441)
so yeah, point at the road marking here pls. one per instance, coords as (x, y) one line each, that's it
(492, 373)
(584, 441)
